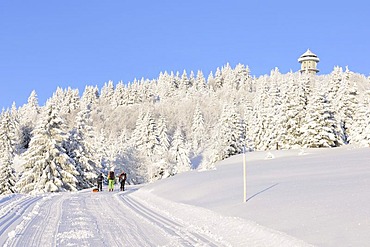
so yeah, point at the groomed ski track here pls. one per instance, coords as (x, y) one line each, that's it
(135, 217)
(91, 219)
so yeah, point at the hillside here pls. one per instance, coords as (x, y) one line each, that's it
(320, 196)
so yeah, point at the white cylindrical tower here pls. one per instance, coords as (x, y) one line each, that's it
(308, 61)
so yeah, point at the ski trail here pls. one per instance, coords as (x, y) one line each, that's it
(40, 230)
(120, 227)
(12, 213)
(80, 225)
(185, 235)
(99, 219)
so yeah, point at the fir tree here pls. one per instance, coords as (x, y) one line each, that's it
(180, 152)
(229, 134)
(198, 129)
(7, 151)
(361, 125)
(146, 139)
(79, 148)
(48, 168)
(7, 174)
(162, 134)
(319, 128)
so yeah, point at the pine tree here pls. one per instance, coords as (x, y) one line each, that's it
(71, 101)
(263, 118)
(218, 79)
(293, 113)
(107, 91)
(180, 152)
(79, 148)
(319, 127)
(146, 139)
(184, 83)
(7, 174)
(48, 168)
(30, 111)
(361, 125)
(90, 96)
(120, 94)
(200, 82)
(229, 134)
(198, 129)
(243, 78)
(7, 151)
(162, 134)
(102, 150)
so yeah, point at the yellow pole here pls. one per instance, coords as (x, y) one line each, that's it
(245, 175)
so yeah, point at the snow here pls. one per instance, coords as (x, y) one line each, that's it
(303, 197)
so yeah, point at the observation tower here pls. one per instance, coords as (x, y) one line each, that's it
(308, 61)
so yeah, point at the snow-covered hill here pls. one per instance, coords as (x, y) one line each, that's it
(294, 198)
(318, 195)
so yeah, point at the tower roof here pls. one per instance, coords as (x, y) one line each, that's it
(308, 55)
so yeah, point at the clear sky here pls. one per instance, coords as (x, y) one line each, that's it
(45, 44)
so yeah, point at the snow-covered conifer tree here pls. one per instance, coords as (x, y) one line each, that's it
(119, 94)
(361, 125)
(228, 138)
(180, 152)
(198, 130)
(293, 113)
(162, 134)
(7, 133)
(243, 78)
(79, 148)
(48, 168)
(29, 112)
(319, 127)
(218, 80)
(107, 93)
(146, 140)
(7, 151)
(211, 81)
(7, 174)
(71, 101)
(230, 80)
(90, 96)
(184, 83)
(200, 82)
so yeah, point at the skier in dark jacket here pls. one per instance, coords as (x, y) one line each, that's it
(122, 179)
(100, 181)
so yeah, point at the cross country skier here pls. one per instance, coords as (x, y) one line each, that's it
(122, 180)
(100, 182)
(111, 181)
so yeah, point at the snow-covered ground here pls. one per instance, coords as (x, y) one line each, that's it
(294, 198)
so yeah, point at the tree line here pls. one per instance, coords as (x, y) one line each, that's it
(177, 122)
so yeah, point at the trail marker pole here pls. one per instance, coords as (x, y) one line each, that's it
(245, 175)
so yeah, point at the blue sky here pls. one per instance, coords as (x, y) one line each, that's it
(46, 44)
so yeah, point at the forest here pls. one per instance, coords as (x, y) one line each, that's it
(157, 128)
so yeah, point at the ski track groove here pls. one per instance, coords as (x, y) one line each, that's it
(70, 220)
(168, 225)
(7, 204)
(15, 211)
(132, 230)
(36, 229)
(8, 200)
